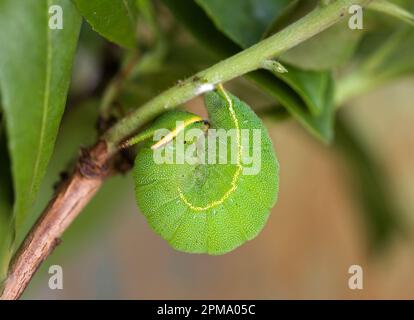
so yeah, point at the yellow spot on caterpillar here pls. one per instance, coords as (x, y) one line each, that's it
(233, 184)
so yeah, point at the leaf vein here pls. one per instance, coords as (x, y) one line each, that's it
(45, 106)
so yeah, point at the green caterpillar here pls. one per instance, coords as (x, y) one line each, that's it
(206, 207)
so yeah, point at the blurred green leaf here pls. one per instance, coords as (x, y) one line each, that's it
(397, 56)
(384, 54)
(293, 12)
(384, 61)
(6, 206)
(329, 49)
(243, 21)
(326, 50)
(77, 130)
(406, 4)
(370, 187)
(113, 19)
(392, 9)
(294, 98)
(35, 69)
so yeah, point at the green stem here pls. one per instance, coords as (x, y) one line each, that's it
(133, 65)
(244, 62)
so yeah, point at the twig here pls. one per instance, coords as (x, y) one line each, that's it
(71, 197)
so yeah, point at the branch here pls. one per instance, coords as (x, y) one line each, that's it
(71, 197)
(93, 167)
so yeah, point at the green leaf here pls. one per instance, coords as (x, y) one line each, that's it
(35, 70)
(321, 125)
(243, 21)
(197, 22)
(209, 206)
(113, 19)
(311, 86)
(77, 130)
(97, 218)
(317, 90)
(328, 49)
(294, 11)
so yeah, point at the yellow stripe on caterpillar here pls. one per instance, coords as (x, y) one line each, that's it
(233, 184)
(170, 136)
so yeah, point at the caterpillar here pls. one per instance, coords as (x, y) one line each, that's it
(209, 207)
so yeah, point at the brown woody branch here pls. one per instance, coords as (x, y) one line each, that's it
(71, 197)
